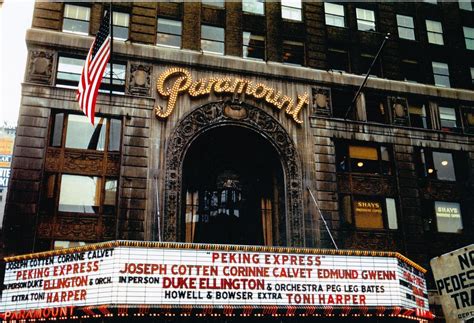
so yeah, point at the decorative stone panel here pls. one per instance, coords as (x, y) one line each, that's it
(40, 66)
(139, 82)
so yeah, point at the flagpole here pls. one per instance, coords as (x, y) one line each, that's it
(367, 75)
(111, 48)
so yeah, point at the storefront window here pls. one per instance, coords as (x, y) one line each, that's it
(368, 214)
(374, 213)
(448, 217)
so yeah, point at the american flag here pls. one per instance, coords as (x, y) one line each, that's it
(94, 68)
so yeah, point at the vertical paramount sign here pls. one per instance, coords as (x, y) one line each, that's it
(186, 275)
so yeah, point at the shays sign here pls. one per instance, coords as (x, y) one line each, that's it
(177, 81)
(221, 279)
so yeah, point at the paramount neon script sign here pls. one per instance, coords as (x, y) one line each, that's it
(160, 275)
(176, 81)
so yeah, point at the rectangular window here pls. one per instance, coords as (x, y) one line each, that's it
(214, 3)
(469, 37)
(411, 71)
(441, 74)
(338, 60)
(253, 46)
(69, 71)
(465, 5)
(79, 194)
(81, 134)
(406, 27)
(363, 159)
(368, 214)
(435, 32)
(334, 14)
(254, 6)
(169, 33)
(291, 9)
(293, 52)
(391, 213)
(121, 21)
(448, 119)
(417, 111)
(118, 79)
(365, 19)
(472, 75)
(448, 217)
(212, 39)
(439, 165)
(468, 119)
(110, 196)
(76, 19)
(365, 63)
(376, 108)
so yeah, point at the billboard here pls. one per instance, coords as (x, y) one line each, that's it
(454, 277)
(6, 151)
(183, 275)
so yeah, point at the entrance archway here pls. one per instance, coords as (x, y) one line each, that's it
(253, 122)
(233, 189)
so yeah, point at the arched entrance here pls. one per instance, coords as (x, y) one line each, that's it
(233, 189)
(194, 132)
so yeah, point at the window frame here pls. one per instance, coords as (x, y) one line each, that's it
(433, 34)
(405, 27)
(334, 15)
(213, 40)
(246, 2)
(468, 40)
(117, 12)
(293, 44)
(158, 32)
(364, 20)
(66, 18)
(60, 128)
(344, 160)
(289, 4)
(351, 219)
(439, 76)
(244, 47)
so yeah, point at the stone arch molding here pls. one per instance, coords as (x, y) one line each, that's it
(218, 114)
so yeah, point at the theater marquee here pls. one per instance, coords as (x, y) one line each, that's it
(220, 279)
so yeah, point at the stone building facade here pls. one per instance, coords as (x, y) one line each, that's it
(195, 129)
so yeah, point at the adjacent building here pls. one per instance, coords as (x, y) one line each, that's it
(221, 120)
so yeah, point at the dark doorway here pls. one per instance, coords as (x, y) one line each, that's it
(233, 189)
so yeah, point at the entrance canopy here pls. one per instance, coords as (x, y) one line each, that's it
(123, 278)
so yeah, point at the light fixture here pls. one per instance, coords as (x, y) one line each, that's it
(360, 164)
(444, 162)
(430, 170)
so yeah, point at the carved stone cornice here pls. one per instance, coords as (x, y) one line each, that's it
(220, 114)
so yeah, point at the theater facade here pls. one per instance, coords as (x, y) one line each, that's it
(232, 124)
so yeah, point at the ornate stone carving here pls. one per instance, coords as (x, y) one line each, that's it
(441, 190)
(321, 102)
(70, 228)
(53, 159)
(40, 67)
(212, 115)
(370, 241)
(140, 79)
(113, 164)
(83, 162)
(368, 185)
